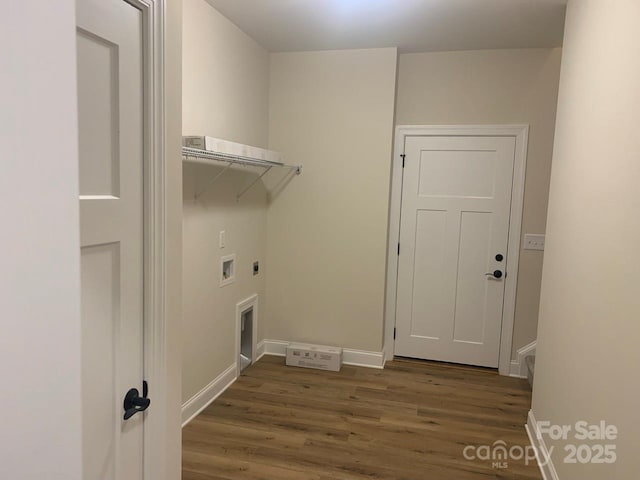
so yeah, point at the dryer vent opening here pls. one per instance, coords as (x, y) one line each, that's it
(246, 338)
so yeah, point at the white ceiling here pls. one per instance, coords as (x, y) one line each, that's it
(411, 25)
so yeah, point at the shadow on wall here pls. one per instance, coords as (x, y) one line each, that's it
(206, 184)
(276, 185)
(221, 184)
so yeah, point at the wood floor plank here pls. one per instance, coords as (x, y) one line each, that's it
(410, 421)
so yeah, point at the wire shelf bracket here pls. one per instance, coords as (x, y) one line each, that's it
(208, 157)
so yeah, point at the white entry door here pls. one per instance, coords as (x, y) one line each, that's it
(456, 199)
(111, 134)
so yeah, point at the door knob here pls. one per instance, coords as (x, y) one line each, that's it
(134, 403)
(495, 274)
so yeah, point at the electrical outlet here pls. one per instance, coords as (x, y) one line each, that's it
(533, 242)
(256, 268)
(222, 239)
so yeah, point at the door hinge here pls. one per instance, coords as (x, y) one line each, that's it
(398, 248)
(403, 156)
(394, 333)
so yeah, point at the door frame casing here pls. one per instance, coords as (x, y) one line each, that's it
(521, 135)
(155, 253)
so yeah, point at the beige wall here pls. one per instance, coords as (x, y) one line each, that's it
(332, 111)
(209, 310)
(588, 356)
(225, 78)
(225, 95)
(494, 87)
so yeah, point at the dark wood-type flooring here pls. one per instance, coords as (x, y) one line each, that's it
(410, 421)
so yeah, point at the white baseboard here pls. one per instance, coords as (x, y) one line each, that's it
(363, 358)
(358, 358)
(208, 394)
(545, 463)
(518, 367)
(273, 347)
(260, 350)
(514, 370)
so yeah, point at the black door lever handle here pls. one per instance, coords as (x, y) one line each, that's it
(134, 403)
(495, 274)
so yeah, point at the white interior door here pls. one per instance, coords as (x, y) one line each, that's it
(111, 133)
(456, 199)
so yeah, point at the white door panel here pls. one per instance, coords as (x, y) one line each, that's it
(456, 199)
(111, 134)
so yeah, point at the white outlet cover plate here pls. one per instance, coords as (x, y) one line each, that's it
(534, 241)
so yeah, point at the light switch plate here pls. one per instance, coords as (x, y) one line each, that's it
(534, 241)
(222, 239)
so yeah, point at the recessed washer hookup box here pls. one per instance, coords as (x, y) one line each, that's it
(314, 356)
